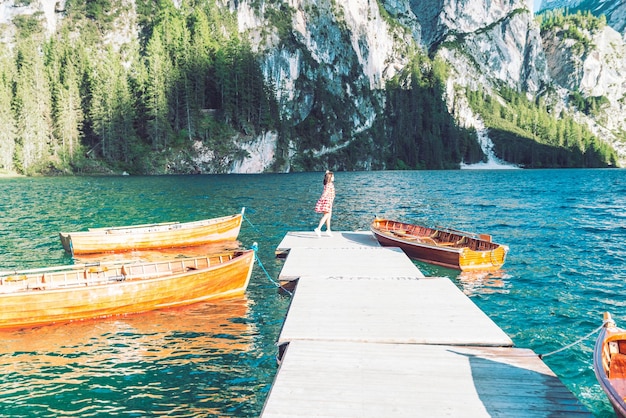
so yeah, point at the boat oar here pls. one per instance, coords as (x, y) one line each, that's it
(68, 267)
(44, 269)
(468, 234)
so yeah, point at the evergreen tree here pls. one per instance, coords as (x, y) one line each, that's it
(112, 109)
(7, 121)
(34, 137)
(159, 69)
(67, 112)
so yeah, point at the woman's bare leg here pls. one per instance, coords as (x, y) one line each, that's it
(325, 219)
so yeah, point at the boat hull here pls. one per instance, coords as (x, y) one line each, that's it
(98, 290)
(442, 257)
(453, 250)
(609, 364)
(155, 236)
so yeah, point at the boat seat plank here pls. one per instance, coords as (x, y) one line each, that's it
(428, 240)
(617, 368)
(420, 238)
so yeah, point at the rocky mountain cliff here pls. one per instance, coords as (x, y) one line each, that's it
(595, 67)
(487, 44)
(597, 70)
(346, 52)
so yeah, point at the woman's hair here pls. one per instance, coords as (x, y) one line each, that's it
(328, 177)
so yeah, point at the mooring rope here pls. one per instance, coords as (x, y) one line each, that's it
(541, 356)
(251, 224)
(255, 247)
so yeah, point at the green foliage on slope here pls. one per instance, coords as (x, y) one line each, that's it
(531, 135)
(421, 134)
(574, 26)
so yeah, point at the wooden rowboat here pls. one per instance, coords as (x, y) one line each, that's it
(445, 247)
(609, 363)
(67, 293)
(152, 236)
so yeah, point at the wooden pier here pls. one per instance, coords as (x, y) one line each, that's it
(367, 335)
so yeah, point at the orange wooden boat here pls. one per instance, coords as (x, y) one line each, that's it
(67, 293)
(609, 363)
(445, 247)
(152, 236)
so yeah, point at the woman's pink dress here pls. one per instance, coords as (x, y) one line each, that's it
(325, 202)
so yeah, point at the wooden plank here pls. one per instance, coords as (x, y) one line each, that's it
(340, 239)
(391, 310)
(349, 379)
(348, 262)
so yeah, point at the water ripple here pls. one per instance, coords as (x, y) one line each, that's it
(566, 231)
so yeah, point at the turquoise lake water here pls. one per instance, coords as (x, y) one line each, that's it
(566, 230)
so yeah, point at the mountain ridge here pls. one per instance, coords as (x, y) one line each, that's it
(337, 69)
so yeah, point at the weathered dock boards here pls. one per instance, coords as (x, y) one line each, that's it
(366, 335)
(391, 310)
(340, 239)
(352, 254)
(341, 379)
(348, 262)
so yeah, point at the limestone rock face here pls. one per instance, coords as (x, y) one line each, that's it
(356, 47)
(499, 37)
(488, 43)
(597, 71)
(346, 48)
(10, 9)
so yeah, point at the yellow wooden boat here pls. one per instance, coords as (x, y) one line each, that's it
(445, 247)
(609, 363)
(67, 293)
(152, 236)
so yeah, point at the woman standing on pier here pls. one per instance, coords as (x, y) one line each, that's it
(325, 203)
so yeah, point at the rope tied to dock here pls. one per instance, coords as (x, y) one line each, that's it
(541, 356)
(255, 247)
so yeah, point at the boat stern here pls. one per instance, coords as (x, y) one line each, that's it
(483, 260)
(609, 363)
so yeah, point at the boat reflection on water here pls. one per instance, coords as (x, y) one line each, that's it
(470, 282)
(160, 254)
(483, 282)
(124, 345)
